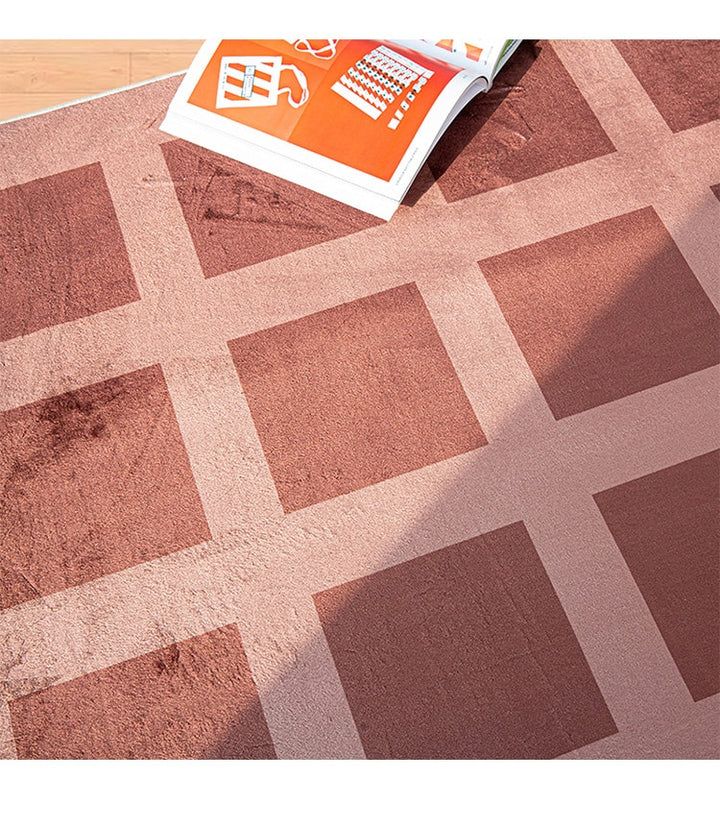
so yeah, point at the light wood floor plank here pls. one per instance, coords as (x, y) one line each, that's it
(37, 74)
(51, 47)
(145, 65)
(73, 73)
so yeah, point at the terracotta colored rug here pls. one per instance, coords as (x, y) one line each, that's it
(280, 480)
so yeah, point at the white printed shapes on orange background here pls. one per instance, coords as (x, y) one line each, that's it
(380, 79)
(252, 80)
(322, 49)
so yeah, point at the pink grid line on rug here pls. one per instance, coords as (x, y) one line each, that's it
(461, 570)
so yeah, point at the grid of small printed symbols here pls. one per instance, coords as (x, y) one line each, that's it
(282, 480)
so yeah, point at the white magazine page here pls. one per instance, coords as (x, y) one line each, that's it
(266, 102)
(485, 57)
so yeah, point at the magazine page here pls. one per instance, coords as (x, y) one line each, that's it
(353, 119)
(486, 57)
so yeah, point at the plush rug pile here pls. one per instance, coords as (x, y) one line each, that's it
(278, 479)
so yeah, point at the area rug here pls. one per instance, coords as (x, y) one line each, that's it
(280, 480)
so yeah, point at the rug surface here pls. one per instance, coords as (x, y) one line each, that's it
(278, 479)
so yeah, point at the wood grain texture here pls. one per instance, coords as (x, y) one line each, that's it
(144, 65)
(90, 47)
(64, 72)
(37, 74)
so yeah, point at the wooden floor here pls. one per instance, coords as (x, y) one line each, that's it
(35, 74)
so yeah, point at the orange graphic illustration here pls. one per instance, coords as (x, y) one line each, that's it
(315, 93)
(324, 49)
(469, 50)
(255, 81)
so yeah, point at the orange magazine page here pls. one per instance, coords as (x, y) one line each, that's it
(358, 102)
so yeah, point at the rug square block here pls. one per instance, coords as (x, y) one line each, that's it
(353, 395)
(506, 136)
(464, 653)
(192, 700)
(62, 252)
(605, 311)
(93, 481)
(681, 77)
(238, 215)
(667, 526)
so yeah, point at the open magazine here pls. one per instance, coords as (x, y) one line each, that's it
(352, 119)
